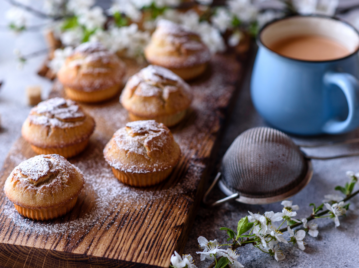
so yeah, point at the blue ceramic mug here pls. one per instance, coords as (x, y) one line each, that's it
(307, 97)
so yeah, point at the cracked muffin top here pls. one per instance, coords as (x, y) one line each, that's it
(156, 91)
(142, 147)
(91, 67)
(57, 123)
(173, 46)
(43, 181)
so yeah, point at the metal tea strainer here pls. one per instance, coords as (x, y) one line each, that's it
(264, 165)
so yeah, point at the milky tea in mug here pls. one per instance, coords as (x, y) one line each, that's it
(305, 77)
(310, 47)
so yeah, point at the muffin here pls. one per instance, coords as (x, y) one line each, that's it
(143, 153)
(44, 187)
(91, 74)
(156, 93)
(58, 126)
(177, 49)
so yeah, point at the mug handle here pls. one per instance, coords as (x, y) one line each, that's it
(350, 87)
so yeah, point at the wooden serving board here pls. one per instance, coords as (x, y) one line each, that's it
(113, 225)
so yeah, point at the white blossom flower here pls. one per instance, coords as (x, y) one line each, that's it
(312, 227)
(207, 245)
(278, 254)
(332, 197)
(337, 210)
(128, 8)
(272, 231)
(324, 7)
(54, 7)
(244, 10)
(268, 16)
(16, 17)
(72, 37)
(210, 248)
(129, 40)
(349, 174)
(297, 237)
(59, 59)
(235, 38)
(211, 37)
(222, 19)
(182, 262)
(288, 204)
(92, 18)
(78, 6)
(103, 37)
(273, 217)
(259, 220)
(232, 257)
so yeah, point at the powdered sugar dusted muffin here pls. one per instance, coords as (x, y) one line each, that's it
(44, 187)
(143, 153)
(92, 74)
(156, 93)
(58, 126)
(177, 49)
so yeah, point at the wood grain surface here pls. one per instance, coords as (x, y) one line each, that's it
(113, 225)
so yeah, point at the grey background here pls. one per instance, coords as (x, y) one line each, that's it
(334, 247)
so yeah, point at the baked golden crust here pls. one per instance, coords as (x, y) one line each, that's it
(142, 147)
(44, 182)
(155, 92)
(91, 68)
(174, 47)
(57, 123)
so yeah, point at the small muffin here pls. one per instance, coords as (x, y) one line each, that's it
(58, 126)
(156, 93)
(177, 49)
(91, 74)
(143, 153)
(44, 187)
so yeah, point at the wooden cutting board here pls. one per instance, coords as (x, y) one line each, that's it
(113, 225)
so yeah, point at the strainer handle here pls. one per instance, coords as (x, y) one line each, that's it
(221, 201)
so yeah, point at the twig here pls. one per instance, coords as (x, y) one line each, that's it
(36, 12)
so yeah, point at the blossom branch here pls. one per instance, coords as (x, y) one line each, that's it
(34, 11)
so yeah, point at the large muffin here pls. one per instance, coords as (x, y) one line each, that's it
(156, 93)
(58, 126)
(92, 74)
(177, 49)
(143, 153)
(44, 187)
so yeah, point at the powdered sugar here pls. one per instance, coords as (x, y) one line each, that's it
(106, 205)
(57, 112)
(177, 46)
(35, 168)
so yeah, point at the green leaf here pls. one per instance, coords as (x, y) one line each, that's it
(244, 226)
(351, 187)
(253, 28)
(87, 35)
(346, 206)
(222, 262)
(229, 231)
(120, 20)
(70, 23)
(291, 222)
(16, 28)
(236, 22)
(318, 208)
(341, 189)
